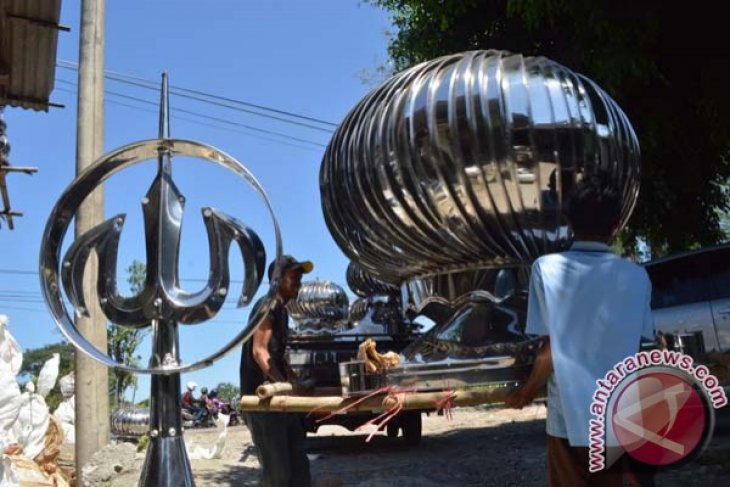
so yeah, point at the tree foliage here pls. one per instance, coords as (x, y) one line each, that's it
(663, 62)
(228, 392)
(123, 342)
(33, 360)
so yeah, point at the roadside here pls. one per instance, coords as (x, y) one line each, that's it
(480, 446)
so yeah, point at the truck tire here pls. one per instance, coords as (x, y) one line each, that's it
(411, 425)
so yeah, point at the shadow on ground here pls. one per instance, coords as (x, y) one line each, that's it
(233, 476)
(509, 454)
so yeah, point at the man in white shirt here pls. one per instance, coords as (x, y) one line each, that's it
(592, 308)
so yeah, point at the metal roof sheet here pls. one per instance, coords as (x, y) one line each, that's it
(29, 31)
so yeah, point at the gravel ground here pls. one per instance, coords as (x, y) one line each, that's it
(477, 447)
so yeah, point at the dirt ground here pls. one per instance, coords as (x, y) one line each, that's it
(479, 446)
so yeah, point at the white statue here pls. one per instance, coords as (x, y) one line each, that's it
(11, 355)
(32, 423)
(24, 418)
(65, 412)
(11, 359)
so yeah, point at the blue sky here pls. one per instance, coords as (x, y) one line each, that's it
(302, 57)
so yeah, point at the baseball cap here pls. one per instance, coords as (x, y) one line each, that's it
(288, 262)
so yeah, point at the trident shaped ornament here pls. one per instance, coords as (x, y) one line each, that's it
(161, 304)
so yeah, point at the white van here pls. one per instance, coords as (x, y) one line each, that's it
(691, 293)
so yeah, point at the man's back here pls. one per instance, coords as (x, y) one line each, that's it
(595, 308)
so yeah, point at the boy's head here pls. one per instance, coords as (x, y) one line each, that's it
(594, 208)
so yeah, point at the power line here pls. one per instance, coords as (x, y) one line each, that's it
(199, 122)
(204, 97)
(20, 308)
(19, 272)
(197, 114)
(23, 272)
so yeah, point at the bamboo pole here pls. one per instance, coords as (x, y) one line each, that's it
(381, 402)
(281, 388)
(277, 388)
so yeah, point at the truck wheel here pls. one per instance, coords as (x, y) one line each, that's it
(391, 429)
(411, 424)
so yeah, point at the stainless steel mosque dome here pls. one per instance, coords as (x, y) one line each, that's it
(322, 302)
(365, 284)
(358, 309)
(130, 422)
(465, 162)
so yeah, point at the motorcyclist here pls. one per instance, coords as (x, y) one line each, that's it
(218, 406)
(189, 402)
(214, 404)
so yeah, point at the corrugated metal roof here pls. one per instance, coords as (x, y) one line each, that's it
(29, 32)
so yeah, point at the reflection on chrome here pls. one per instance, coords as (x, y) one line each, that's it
(466, 160)
(319, 306)
(379, 308)
(365, 284)
(450, 179)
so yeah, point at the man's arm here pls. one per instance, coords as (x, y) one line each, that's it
(260, 349)
(541, 370)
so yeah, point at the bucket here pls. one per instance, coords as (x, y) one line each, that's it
(354, 378)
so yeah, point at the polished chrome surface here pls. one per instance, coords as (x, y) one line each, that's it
(379, 302)
(365, 284)
(358, 309)
(443, 376)
(437, 296)
(319, 304)
(130, 422)
(162, 299)
(384, 311)
(466, 161)
(478, 329)
(451, 375)
(161, 304)
(482, 344)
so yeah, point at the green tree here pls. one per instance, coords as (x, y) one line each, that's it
(228, 392)
(123, 342)
(663, 62)
(33, 360)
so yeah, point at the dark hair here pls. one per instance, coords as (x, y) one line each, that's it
(285, 261)
(594, 206)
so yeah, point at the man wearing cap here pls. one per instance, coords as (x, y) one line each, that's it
(279, 437)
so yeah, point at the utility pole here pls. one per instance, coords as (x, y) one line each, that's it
(92, 390)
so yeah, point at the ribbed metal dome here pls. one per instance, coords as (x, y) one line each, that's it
(319, 301)
(465, 161)
(365, 284)
(358, 309)
(130, 422)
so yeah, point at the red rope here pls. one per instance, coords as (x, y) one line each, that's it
(446, 404)
(391, 392)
